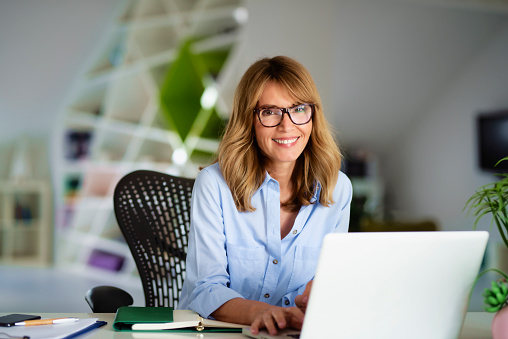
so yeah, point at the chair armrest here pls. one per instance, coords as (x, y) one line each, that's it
(107, 299)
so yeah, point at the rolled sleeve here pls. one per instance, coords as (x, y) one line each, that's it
(206, 302)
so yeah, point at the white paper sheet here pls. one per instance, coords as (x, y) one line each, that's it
(57, 331)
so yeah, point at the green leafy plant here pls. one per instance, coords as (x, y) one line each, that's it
(495, 297)
(493, 199)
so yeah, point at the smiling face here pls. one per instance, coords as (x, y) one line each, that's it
(282, 144)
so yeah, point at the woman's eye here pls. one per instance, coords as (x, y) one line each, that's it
(300, 109)
(268, 112)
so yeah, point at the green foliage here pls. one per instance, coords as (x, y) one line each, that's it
(214, 127)
(183, 86)
(492, 199)
(214, 60)
(181, 92)
(495, 297)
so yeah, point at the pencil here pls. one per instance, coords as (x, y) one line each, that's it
(46, 321)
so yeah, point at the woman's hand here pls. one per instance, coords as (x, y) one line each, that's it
(274, 318)
(259, 315)
(302, 300)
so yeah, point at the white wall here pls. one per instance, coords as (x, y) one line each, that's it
(434, 170)
(391, 61)
(43, 47)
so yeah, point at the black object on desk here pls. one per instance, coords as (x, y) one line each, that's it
(107, 299)
(11, 319)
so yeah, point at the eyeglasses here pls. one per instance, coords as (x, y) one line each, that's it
(272, 116)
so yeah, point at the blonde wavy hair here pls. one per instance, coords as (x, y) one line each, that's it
(239, 156)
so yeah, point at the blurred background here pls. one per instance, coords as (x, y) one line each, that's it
(91, 90)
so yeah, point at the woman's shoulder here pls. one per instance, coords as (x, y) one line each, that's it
(212, 169)
(343, 187)
(210, 173)
(343, 179)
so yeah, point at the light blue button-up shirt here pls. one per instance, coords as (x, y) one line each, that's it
(235, 254)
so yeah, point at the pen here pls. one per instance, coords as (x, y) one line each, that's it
(46, 321)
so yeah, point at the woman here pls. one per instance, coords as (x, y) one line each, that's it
(260, 212)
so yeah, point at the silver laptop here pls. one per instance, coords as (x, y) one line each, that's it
(391, 285)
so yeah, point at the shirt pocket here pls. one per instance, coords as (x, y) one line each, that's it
(246, 269)
(304, 266)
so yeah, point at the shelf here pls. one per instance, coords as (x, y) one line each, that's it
(91, 100)
(154, 10)
(99, 182)
(122, 141)
(154, 151)
(129, 108)
(148, 41)
(112, 147)
(116, 122)
(82, 120)
(25, 229)
(20, 226)
(112, 54)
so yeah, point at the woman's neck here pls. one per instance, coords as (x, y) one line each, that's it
(283, 174)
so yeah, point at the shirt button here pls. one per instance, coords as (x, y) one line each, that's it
(295, 231)
(267, 295)
(286, 302)
(275, 261)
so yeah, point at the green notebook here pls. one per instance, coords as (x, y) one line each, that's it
(131, 318)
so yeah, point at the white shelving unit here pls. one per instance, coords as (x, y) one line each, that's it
(25, 229)
(114, 123)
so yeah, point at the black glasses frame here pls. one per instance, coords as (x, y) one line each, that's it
(258, 110)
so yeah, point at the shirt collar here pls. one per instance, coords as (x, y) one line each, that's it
(269, 179)
(269, 182)
(317, 191)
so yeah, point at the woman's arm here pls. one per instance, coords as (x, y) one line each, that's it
(207, 277)
(259, 315)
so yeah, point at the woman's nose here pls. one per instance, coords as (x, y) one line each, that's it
(286, 122)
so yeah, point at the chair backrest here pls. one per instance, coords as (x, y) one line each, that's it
(153, 212)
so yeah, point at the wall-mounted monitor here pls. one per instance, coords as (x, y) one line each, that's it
(492, 129)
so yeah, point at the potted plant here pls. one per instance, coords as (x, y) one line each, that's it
(493, 199)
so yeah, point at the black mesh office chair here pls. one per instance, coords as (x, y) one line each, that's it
(153, 212)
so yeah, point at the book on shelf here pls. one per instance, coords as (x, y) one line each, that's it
(22, 212)
(106, 260)
(77, 144)
(132, 318)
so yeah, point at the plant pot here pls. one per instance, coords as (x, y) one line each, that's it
(499, 326)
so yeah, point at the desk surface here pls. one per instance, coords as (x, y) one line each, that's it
(476, 326)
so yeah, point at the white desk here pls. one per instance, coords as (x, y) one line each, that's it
(476, 326)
